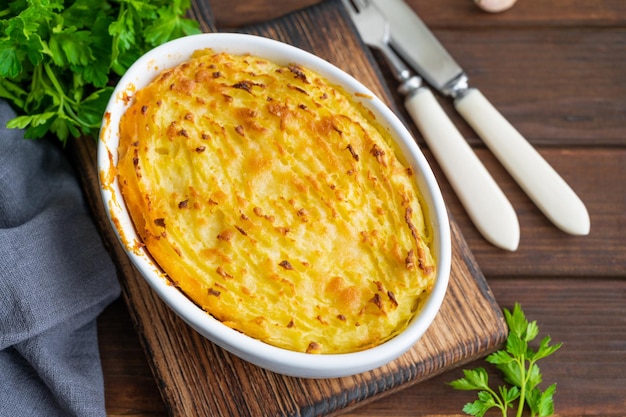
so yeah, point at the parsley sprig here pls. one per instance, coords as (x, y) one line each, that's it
(518, 364)
(59, 59)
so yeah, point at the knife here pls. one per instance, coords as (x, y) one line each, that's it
(416, 44)
(483, 200)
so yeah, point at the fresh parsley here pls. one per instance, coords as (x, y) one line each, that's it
(59, 59)
(518, 364)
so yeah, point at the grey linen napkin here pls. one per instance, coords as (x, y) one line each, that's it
(55, 279)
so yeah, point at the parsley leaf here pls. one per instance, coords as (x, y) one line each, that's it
(518, 364)
(58, 59)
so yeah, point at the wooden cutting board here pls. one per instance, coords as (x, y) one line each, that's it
(197, 378)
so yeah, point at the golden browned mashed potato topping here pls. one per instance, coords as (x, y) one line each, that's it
(276, 203)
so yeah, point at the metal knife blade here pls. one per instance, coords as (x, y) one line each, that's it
(416, 44)
(419, 48)
(483, 200)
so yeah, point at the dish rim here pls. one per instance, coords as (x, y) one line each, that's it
(270, 357)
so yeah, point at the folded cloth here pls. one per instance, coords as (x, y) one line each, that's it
(55, 279)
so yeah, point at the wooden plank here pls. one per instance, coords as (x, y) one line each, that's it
(198, 378)
(598, 175)
(445, 13)
(525, 14)
(202, 12)
(129, 386)
(229, 14)
(560, 82)
(339, 45)
(557, 86)
(589, 370)
(566, 308)
(574, 296)
(585, 309)
(580, 167)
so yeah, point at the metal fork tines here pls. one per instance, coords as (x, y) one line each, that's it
(482, 198)
(373, 29)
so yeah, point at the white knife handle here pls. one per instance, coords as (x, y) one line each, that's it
(485, 203)
(538, 179)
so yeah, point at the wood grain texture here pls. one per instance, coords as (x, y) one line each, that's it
(566, 308)
(555, 85)
(598, 175)
(325, 30)
(568, 103)
(233, 14)
(526, 14)
(202, 12)
(588, 369)
(197, 378)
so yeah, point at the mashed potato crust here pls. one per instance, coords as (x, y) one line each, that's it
(276, 203)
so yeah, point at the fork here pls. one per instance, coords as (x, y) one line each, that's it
(483, 200)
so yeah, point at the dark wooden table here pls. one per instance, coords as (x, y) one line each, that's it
(557, 71)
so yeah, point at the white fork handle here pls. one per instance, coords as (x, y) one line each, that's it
(483, 200)
(538, 179)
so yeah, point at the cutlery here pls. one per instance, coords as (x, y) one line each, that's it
(483, 200)
(415, 43)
